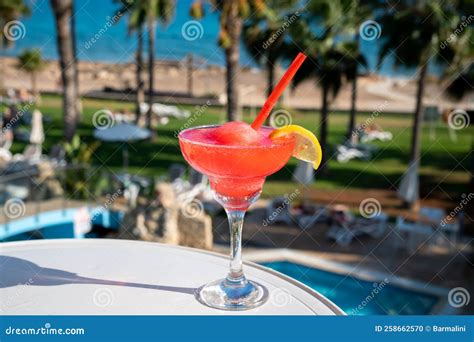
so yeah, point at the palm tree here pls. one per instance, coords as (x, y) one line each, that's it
(265, 36)
(326, 63)
(232, 14)
(353, 60)
(461, 85)
(76, 78)
(414, 32)
(31, 62)
(342, 18)
(10, 10)
(62, 10)
(460, 76)
(162, 11)
(325, 66)
(136, 23)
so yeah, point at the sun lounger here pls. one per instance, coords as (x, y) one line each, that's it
(312, 214)
(376, 135)
(427, 230)
(344, 230)
(346, 153)
(411, 234)
(197, 184)
(169, 111)
(197, 187)
(447, 233)
(31, 154)
(308, 221)
(278, 211)
(144, 107)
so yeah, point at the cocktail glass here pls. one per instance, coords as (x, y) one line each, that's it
(236, 174)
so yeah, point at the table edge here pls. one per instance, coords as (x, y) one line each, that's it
(329, 304)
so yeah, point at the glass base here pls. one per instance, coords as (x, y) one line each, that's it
(227, 294)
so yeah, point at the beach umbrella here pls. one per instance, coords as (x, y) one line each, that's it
(304, 173)
(122, 132)
(37, 132)
(409, 185)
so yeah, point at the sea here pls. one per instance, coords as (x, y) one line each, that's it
(103, 36)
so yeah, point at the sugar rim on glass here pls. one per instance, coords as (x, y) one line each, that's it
(180, 137)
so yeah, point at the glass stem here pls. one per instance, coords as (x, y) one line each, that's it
(236, 221)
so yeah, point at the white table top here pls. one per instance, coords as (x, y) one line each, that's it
(120, 277)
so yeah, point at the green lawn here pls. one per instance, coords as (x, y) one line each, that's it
(443, 162)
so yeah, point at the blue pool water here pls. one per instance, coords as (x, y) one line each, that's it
(359, 297)
(57, 224)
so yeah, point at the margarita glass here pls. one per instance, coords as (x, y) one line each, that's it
(236, 159)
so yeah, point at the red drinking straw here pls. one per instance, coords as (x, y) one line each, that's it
(276, 93)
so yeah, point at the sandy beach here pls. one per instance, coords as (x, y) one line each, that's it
(375, 93)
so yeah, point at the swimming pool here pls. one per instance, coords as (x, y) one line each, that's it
(359, 297)
(57, 224)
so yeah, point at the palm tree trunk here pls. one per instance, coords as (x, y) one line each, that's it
(324, 126)
(232, 95)
(415, 138)
(270, 77)
(34, 88)
(190, 71)
(2, 80)
(62, 11)
(140, 82)
(151, 70)
(418, 116)
(232, 55)
(76, 77)
(353, 112)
